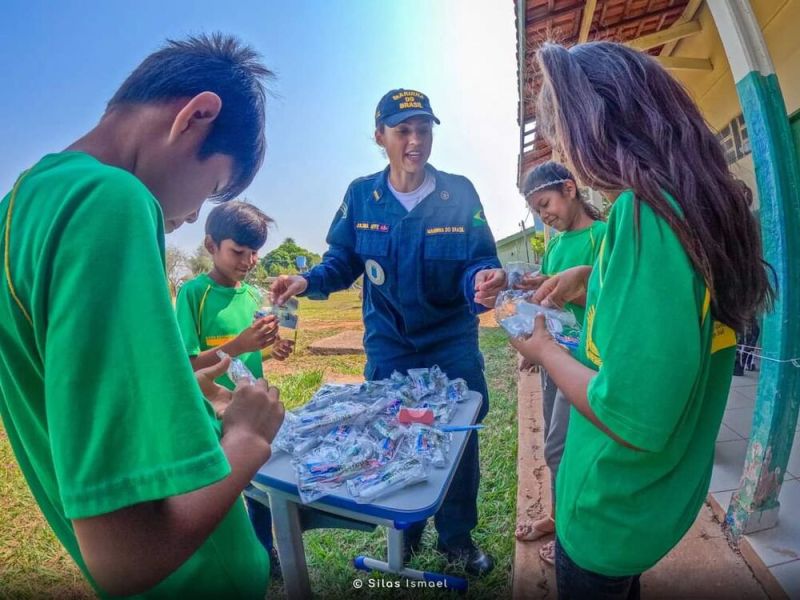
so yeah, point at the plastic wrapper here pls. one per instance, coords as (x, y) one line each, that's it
(457, 390)
(516, 314)
(237, 370)
(327, 467)
(515, 271)
(430, 444)
(336, 414)
(286, 313)
(392, 477)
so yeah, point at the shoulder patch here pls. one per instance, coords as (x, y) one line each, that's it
(478, 219)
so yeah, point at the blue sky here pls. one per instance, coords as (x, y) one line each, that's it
(334, 59)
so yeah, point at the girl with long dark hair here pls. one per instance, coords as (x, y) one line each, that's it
(679, 270)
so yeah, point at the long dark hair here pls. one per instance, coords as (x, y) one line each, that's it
(552, 176)
(622, 122)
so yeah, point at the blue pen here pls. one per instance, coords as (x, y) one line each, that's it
(452, 428)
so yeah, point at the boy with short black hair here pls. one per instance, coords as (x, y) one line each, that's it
(101, 407)
(216, 311)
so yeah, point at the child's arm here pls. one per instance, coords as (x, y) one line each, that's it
(260, 334)
(567, 286)
(130, 550)
(569, 375)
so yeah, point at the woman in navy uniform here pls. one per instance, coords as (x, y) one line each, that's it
(430, 263)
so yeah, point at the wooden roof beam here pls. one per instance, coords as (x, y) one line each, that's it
(670, 34)
(586, 20)
(680, 62)
(688, 14)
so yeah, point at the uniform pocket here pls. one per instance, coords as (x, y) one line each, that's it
(446, 247)
(370, 243)
(444, 256)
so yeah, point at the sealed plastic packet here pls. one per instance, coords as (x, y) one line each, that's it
(515, 271)
(516, 314)
(394, 476)
(237, 370)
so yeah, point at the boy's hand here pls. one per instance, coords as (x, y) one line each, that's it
(282, 349)
(256, 410)
(567, 286)
(260, 334)
(489, 283)
(535, 347)
(219, 396)
(287, 286)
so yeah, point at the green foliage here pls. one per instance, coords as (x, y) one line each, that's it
(282, 260)
(537, 243)
(200, 261)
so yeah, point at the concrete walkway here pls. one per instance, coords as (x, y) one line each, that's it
(346, 342)
(703, 565)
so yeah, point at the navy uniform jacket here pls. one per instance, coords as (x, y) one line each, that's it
(419, 267)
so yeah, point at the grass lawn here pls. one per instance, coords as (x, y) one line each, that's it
(34, 565)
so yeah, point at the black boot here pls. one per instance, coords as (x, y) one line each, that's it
(412, 542)
(475, 560)
(275, 571)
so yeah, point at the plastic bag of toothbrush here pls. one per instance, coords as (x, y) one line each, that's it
(286, 313)
(516, 314)
(516, 271)
(325, 469)
(429, 444)
(395, 476)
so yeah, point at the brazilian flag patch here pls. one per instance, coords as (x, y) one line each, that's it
(478, 219)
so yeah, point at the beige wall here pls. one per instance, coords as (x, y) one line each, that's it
(714, 91)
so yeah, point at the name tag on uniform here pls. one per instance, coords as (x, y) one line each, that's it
(380, 227)
(445, 229)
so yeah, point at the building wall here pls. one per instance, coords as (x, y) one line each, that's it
(715, 92)
(514, 251)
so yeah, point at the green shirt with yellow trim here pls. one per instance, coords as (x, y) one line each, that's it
(664, 367)
(573, 249)
(210, 314)
(97, 397)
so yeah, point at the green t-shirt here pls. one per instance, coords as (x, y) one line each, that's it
(210, 314)
(96, 394)
(573, 249)
(664, 367)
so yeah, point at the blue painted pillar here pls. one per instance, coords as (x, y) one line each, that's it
(755, 505)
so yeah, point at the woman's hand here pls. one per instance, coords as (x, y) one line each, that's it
(567, 286)
(287, 286)
(489, 283)
(534, 348)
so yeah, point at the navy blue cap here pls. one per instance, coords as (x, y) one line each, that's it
(398, 105)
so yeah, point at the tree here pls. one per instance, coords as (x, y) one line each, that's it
(200, 261)
(177, 267)
(282, 259)
(537, 243)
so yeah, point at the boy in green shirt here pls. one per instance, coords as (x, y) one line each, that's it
(102, 409)
(216, 311)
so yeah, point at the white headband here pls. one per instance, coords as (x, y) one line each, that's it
(544, 185)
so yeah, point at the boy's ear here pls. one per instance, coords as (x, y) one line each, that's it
(210, 245)
(196, 118)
